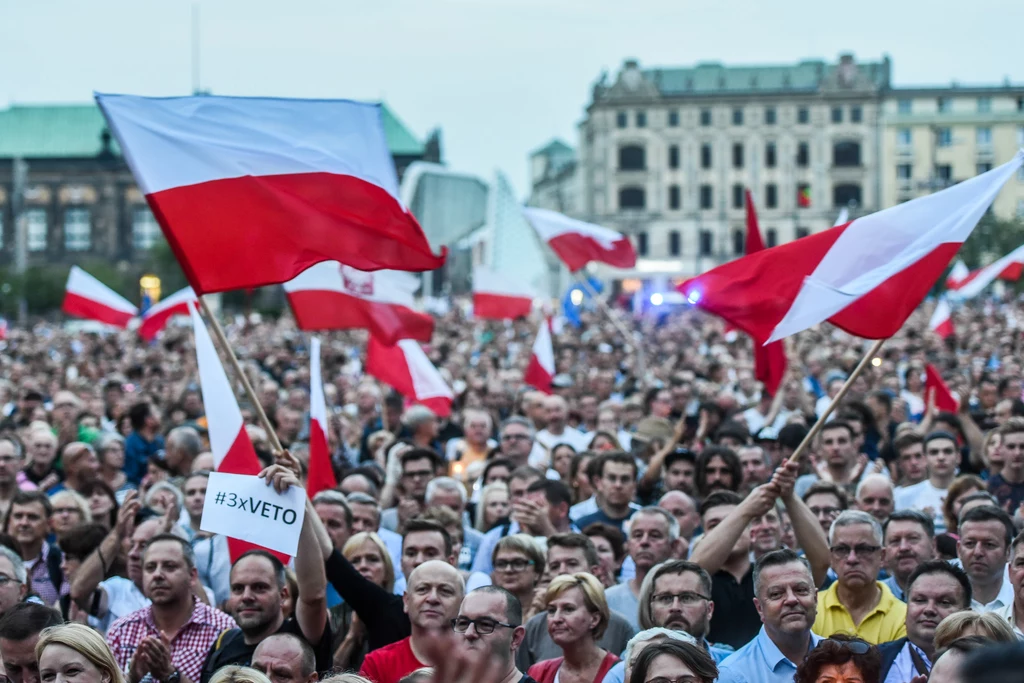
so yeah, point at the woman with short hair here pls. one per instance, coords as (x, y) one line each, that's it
(673, 660)
(75, 651)
(840, 658)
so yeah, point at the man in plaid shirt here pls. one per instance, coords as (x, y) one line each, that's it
(168, 641)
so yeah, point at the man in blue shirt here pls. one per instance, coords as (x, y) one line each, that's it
(144, 441)
(616, 488)
(787, 602)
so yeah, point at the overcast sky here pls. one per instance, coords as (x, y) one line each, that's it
(500, 77)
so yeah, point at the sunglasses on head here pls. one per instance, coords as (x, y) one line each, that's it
(856, 646)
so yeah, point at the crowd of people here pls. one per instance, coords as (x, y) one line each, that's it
(641, 521)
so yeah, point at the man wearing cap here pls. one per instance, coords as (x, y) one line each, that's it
(943, 456)
(556, 413)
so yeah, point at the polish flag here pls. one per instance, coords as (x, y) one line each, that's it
(407, 369)
(865, 277)
(229, 442)
(156, 317)
(769, 359)
(331, 296)
(541, 369)
(578, 243)
(86, 297)
(957, 274)
(945, 400)
(499, 297)
(321, 473)
(942, 319)
(1007, 268)
(251, 191)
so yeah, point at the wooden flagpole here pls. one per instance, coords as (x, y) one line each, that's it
(218, 333)
(630, 340)
(872, 352)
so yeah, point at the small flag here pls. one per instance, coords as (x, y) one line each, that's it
(578, 243)
(321, 472)
(407, 369)
(540, 371)
(88, 298)
(945, 400)
(941, 322)
(496, 296)
(155, 318)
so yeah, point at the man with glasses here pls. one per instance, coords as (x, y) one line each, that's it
(13, 579)
(825, 500)
(857, 603)
(489, 626)
(943, 457)
(521, 479)
(677, 596)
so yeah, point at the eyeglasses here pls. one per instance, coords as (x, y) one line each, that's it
(484, 626)
(686, 598)
(515, 437)
(4, 580)
(419, 474)
(66, 511)
(860, 550)
(514, 565)
(857, 647)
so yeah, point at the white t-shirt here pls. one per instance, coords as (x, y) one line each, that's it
(920, 496)
(569, 435)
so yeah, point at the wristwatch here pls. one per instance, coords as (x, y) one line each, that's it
(174, 677)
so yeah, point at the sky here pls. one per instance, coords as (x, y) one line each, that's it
(499, 77)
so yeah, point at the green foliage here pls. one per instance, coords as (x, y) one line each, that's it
(991, 240)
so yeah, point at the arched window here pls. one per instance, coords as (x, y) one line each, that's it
(632, 158)
(844, 195)
(632, 198)
(846, 153)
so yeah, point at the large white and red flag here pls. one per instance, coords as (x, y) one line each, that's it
(321, 472)
(406, 368)
(941, 322)
(86, 297)
(496, 296)
(331, 296)
(578, 243)
(156, 317)
(540, 371)
(866, 276)
(251, 191)
(229, 442)
(1007, 268)
(769, 359)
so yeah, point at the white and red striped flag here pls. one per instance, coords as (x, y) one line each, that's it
(540, 371)
(499, 297)
(957, 273)
(156, 317)
(86, 297)
(321, 472)
(941, 322)
(1007, 268)
(229, 442)
(251, 191)
(866, 276)
(406, 368)
(331, 296)
(578, 243)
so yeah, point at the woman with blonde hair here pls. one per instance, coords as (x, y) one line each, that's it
(369, 555)
(493, 506)
(76, 646)
(238, 674)
(69, 510)
(967, 623)
(577, 618)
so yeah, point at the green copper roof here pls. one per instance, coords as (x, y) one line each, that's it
(74, 130)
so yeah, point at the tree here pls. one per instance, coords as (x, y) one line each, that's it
(991, 240)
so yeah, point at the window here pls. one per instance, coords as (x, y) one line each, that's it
(802, 232)
(769, 116)
(705, 155)
(705, 117)
(673, 119)
(905, 106)
(707, 245)
(771, 238)
(35, 220)
(641, 119)
(145, 229)
(737, 196)
(846, 154)
(641, 243)
(771, 196)
(856, 114)
(739, 242)
(706, 196)
(803, 155)
(837, 114)
(803, 115)
(904, 137)
(737, 117)
(846, 195)
(943, 137)
(674, 243)
(673, 156)
(77, 230)
(673, 197)
(803, 195)
(943, 105)
(944, 172)
(982, 168)
(632, 158)
(904, 171)
(984, 105)
(632, 198)
(621, 120)
(737, 155)
(769, 155)
(984, 137)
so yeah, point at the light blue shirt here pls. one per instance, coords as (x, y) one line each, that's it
(617, 674)
(759, 661)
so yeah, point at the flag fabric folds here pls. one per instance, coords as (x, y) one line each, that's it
(770, 359)
(865, 277)
(945, 400)
(86, 297)
(405, 367)
(496, 296)
(578, 243)
(1007, 268)
(251, 191)
(156, 317)
(332, 296)
(321, 472)
(540, 371)
(941, 322)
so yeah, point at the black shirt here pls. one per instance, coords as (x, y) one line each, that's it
(381, 611)
(735, 621)
(231, 648)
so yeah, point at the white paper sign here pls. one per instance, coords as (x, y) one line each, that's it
(243, 506)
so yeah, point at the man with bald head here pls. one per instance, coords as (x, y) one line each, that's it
(285, 658)
(684, 509)
(875, 496)
(432, 599)
(556, 413)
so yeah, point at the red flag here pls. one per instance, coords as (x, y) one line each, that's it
(407, 369)
(252, 191)
(86, 297)
(578, 243)
(541, 369)
(769, 360)
(321, 472)
(944, 398)
(229, 442)
(155, 319)
(942, 319)
(330, 296)
(497, 297)
(1007, 268)
(866, 276)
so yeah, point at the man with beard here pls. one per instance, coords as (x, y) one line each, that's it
(936, 589)
(786, 603)
(756, 467)
(909, 537)
(678, 597)
(653, 538)
(718, 469)
(168, 640)
(431, 600)
(490, 623)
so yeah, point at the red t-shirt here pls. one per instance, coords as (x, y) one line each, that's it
(389, 664)
(544, 672)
